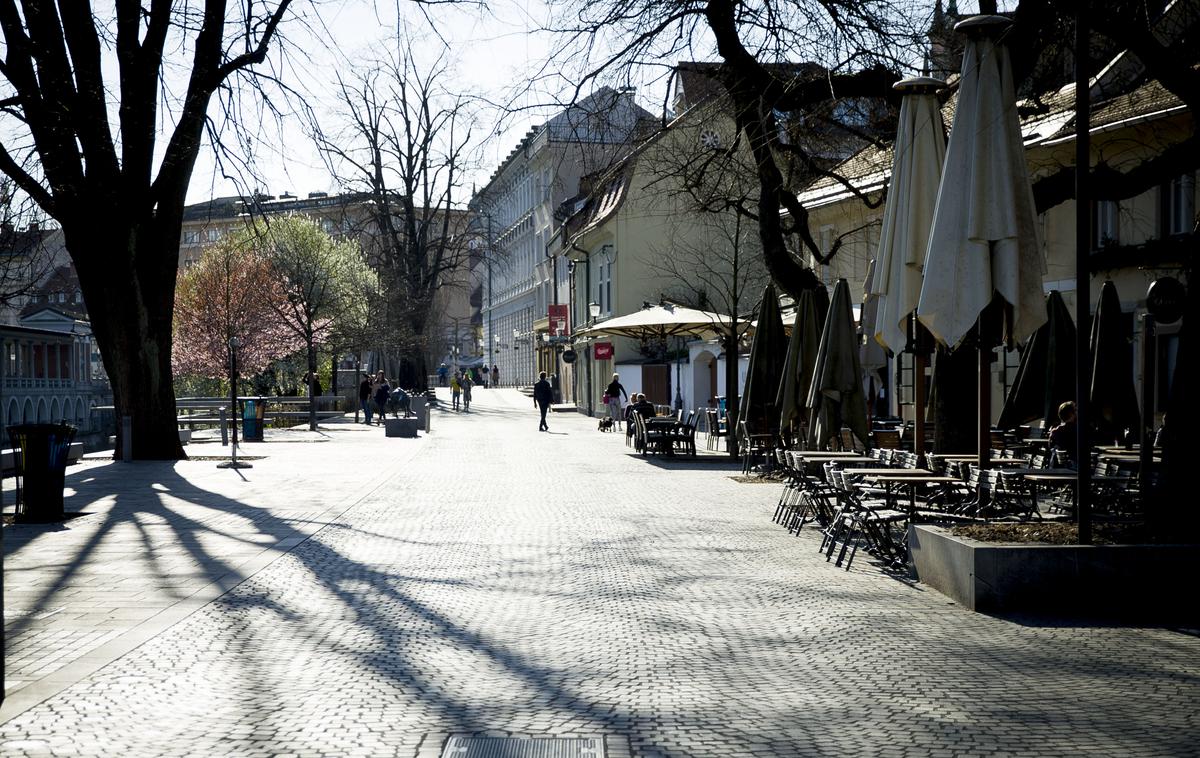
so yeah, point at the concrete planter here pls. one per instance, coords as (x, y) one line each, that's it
(400, 427)
(1090, 579)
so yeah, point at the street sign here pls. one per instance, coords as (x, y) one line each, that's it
(1165, 300)
(602, 351)
(569, 356)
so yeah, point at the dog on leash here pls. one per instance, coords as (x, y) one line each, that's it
(605, 425)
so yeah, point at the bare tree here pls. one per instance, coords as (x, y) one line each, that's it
(119, 196)
(403, 143)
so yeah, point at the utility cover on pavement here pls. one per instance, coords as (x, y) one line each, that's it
(523, 747)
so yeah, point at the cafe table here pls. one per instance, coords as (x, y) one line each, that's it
(890, 479)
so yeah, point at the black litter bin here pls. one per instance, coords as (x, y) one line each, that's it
(252, 420)
(41, 465)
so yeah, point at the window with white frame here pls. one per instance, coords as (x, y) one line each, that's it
(1106, 224)
(191, 237)
(1180, 205)
(604, 286)
(213, 234)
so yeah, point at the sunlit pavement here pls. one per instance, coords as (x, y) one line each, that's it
(357, 595)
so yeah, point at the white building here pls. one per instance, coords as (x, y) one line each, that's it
(514, 213)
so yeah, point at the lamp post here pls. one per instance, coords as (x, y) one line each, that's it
(593, 313)
(233, 462)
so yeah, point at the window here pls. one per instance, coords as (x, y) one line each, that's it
(1180, 205)
(1105, 223)
(212, 235)
(604, 287)
(191, 237)
(327, 225)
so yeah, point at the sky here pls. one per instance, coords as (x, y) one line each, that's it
(490, 54)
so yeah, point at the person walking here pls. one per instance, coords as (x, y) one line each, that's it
(467, 384)
(495, 375)
(613, 393)
(455, 390)
(364, 397)
(383, 391)
(542, 397)
(442, 372)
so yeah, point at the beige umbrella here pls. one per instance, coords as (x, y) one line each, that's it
(918, 155)
(984, 237)
(983, 246)
(661, 321)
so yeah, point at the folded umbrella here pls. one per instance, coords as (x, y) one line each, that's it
(767, 354)
(1046, 375)
(1113, 399)
(835, 397)
(801, 359)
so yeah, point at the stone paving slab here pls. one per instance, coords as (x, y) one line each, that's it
(158, 541)
(501, 581)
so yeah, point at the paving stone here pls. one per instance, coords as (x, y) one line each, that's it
(488, 579)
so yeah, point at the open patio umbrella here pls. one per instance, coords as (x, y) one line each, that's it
(1112, 395)
(767, 354)
(835, 397)
(1046, 375)
(983, 245)
(801, 359)
(917, 158)
(660, 321)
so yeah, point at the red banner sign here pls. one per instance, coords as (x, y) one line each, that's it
(558, 321)
(602, 351)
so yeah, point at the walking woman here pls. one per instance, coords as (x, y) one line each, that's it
(455, 389)
(614, 392)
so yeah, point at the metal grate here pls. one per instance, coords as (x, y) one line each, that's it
(523, 747)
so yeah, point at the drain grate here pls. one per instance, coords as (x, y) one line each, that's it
(524, 747)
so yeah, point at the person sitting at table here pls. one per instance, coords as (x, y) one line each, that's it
(1063, 436)
(643, 406)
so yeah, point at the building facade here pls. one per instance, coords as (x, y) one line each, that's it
(515, 220)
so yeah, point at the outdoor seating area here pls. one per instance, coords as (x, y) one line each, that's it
(664, 434)
(865, 501)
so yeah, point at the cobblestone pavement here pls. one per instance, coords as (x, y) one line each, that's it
(496, 579)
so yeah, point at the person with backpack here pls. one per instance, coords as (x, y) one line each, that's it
(467, 384)
(455, 389)
(383, 391)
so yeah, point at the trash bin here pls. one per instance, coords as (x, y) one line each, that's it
(41, 466)
(252, 420)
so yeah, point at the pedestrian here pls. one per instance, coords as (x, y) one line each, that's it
(542, 397)
(486, 379)
(442, 372)
(383, 391)
(613, 399)
(364, 397)
(467, 384)
(495, 375)
(455, 389)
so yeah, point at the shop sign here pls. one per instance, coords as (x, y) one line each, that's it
(602, 351)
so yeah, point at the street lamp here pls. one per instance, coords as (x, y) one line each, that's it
(234, 344)
(594, 310)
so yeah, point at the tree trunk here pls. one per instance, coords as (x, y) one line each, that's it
(955, 385)
(130, 293)
(731, 390)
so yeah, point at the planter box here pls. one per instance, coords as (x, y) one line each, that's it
(1146, 580)
(400, 427)
(185, 436)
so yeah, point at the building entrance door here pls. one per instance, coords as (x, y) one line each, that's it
(656, 383)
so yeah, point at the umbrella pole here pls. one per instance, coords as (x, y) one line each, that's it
(919, 361)
(985, 406)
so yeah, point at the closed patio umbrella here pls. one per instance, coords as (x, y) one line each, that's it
(983, 245)
(835, 397)
(872, 355)
(801, 359)
(983, 242)
(1046, 375)
(767, 354)
(1112, 394)
(917, 158)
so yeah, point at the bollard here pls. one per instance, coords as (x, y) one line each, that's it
(224, 430)
(126, 438)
